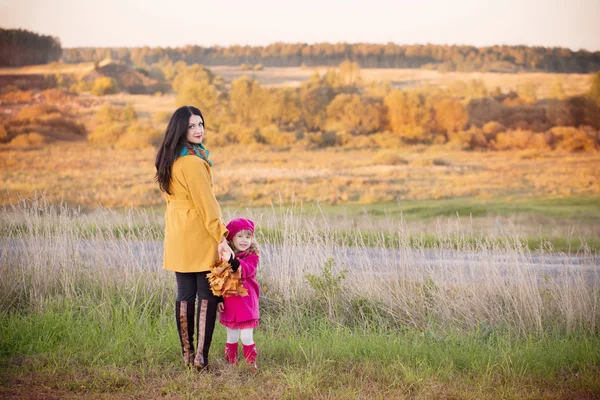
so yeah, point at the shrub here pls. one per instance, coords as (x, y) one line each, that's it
(103, 86)
(272, 135)
(36, 111)
(572, 139)
(137, 136)
(28, 139)
(128, 114)
(55, 96)
(80, 87)
(106, 134)
(440, 162)
(258, 67)
(327, 287)
(17, 96)
(517, 139)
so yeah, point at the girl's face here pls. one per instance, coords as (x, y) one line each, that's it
(195, 132)
(242, 240)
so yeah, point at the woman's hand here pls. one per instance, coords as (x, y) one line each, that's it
(220, 307)
(224, 250)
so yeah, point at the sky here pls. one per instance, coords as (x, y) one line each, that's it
(157, 23)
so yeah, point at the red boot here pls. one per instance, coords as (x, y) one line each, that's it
(250, 354)
(231, 353)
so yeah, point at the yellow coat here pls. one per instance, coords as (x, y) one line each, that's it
(193, 223)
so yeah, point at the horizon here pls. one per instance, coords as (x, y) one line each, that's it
(127, 24)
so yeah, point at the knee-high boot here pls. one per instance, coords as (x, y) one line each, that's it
(184, 312)
(207, 314)
(250, 354)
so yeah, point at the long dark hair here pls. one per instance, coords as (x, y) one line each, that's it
(175, 139)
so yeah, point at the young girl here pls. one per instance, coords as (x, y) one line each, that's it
(240, 314)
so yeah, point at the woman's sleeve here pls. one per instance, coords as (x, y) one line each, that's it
(248, 265)
(198, 182)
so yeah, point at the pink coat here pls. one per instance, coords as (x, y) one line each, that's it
(241, 309)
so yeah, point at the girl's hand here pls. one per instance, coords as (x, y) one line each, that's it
(220, 307)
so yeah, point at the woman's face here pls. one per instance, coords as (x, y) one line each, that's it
(195, 132)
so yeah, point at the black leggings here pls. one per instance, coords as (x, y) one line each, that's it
(190, 284)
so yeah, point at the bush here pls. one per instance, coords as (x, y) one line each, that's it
(521, 139)
(80, 87)
(106, 134)
(328, 288)
(440, 162)
(34, 112)
(103, 86)
(258, 67)
(28, 139)
(388, 140)
(55, 96)
(272, 135)
(17, 97)
(138, 136)
(572, 139)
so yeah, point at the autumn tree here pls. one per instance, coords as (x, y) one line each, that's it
(351, 113)
(20, 47)
(199, 87)
(410, 116)
(450, 116)
(246, 102)
(315, 95)
(350, 73)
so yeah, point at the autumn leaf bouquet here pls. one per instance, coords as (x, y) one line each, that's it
(224, 282)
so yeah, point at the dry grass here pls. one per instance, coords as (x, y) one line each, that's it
(258, 176)
(91, 316)
(49, 69)
(401, 78)
(573, 84)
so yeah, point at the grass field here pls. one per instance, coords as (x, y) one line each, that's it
(408, 79)
(573, 84)
(81, 324)
(100, 325)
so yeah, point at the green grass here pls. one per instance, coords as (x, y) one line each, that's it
(580, 208)
(118, 349)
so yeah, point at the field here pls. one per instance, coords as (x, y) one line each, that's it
(92, 314)
(406, 79)
(423, 271)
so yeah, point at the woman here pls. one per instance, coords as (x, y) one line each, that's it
(195, 235)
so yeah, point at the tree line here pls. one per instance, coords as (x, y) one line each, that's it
(367, 55)
(338, 108)
(20, 47)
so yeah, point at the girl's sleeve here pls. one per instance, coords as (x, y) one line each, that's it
(198, 182)
(248, 265)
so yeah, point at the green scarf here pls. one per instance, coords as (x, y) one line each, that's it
(196, 149)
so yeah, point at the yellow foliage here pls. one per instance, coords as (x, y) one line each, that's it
(103, 86)
(28, 139)
(224, 282)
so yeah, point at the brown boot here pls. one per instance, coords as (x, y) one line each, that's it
(184, 313)
(206, 315)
